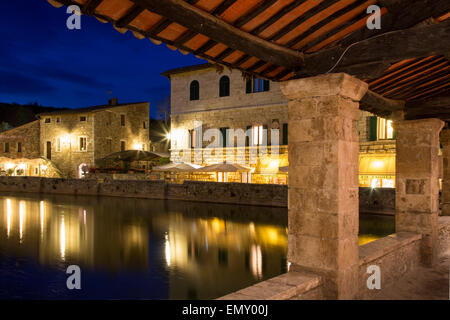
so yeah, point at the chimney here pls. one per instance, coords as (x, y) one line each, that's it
(113, 102)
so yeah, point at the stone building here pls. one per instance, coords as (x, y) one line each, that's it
(74, 140)
(206, 97)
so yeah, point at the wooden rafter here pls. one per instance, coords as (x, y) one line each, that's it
(386, 48)
(199, 21)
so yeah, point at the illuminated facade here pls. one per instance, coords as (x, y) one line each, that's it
(204, 99)
(73, 140)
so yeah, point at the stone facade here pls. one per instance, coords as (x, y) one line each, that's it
(241, 110)
(72, 139)
(77, 137)
(21, 142)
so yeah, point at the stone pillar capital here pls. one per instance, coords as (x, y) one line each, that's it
(431, 124)
(332, 84)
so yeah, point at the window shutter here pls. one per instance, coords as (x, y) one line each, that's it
(248, 136)
(285, 134)
(248, 88)
(373, 128)
(266, 85)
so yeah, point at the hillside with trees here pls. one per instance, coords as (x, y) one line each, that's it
(14, 115)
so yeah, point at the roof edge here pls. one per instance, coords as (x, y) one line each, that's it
(196, 67)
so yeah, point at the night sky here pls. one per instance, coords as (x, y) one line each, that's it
(41, 60)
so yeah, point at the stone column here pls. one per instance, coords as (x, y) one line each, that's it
(417, 189)
(323, 179)
(445, 141)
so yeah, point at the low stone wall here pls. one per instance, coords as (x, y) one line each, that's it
(289, 286)
(380, 200)
(395, 255)
(231, 193)
(371, 200)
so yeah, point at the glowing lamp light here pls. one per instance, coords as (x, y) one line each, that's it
(138, 146)
(168, 136)
(9, 166)
(377, 164)
(65, 139)
(44, 167)
(22, 166)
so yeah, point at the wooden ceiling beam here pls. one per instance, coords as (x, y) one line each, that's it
(223, 7)
(310, 13)
(384, 49)
(202, 22)
(132, 14)
(90, 6)
(324, 22)
(402, 14)
(379, 105)
(253, 13)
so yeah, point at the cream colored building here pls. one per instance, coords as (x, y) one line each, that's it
(74, 140)
(204, 97)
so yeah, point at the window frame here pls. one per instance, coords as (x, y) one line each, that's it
(194, 90)
(79, 144)
(224, 86)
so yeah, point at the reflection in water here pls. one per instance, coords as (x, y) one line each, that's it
(129, 248)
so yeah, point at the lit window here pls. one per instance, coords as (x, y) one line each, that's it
(258, 135)
(385, 129)
(83, 144)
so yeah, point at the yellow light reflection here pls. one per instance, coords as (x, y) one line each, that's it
(21, 219)
(41, 215)
(256, 261)
(167, 250)
(8, 217)
(62, 239)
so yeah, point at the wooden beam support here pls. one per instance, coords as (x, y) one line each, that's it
(199, 21)
(384, 49)
(379, 105)
(402, 14)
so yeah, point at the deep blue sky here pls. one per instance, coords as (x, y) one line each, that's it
(41, 60)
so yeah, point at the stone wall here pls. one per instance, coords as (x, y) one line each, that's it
(233, 193)
(371, 200)
(27, 135)
(396, 255)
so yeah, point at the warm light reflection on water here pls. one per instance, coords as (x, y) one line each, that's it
(130, 248)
